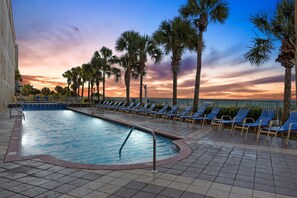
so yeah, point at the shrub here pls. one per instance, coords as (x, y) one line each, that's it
(208, 110)
(254, 112)
(85, 100)
(229, 111)
(160, 106)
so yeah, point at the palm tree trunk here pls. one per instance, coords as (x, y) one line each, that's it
(92, 93)
(287, 94)
(198, 72)
(295, 19)
(127, 83)
(89, 87)
(103, 86)
(140, 87)
(82, 89)
(75, 89)
(98, 92)
(78, 91)
(128, 93)
(174, 96)
(68, 90)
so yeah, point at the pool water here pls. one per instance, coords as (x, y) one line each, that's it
(79, 138)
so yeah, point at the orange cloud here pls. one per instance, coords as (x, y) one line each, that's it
(40, 82)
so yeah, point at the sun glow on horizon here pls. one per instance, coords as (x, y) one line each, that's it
(52, 41)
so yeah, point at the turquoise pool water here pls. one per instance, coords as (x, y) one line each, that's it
(79, 138)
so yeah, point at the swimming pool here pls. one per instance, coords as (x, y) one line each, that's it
(79, 138)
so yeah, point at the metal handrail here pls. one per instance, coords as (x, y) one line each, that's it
(20, 103)
(120, 151)
(154, 143)
(19, 111)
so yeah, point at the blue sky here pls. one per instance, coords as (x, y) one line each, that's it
(55, 35)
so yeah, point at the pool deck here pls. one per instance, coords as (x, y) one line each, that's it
(219, 166)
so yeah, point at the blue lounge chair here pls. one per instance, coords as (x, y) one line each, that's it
(127, 108)
(108, 103)
(177, 116)
(103, 105)
(141, 109)
(208, 117)
(149, 110)
(263, 121)
(98, 104)
(197, 114)
(101, 102)
(37, 98)
(94, 107)
(119, 107)
(133, 107)
(160, 112)
(116, 104)
(227, 120)
(289, 126)
(172, 111)
(98, 107)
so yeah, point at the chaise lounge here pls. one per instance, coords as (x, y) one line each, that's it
(288, 127)
(227, 120)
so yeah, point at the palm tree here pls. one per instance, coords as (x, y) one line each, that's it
(88, 73)
(92, 86)
(84, 77)
(116, 73)
(59, 90)
(128, 41)
(146, 47)
(97, 75)
(67, 74)
(106, 55)
(122, 61)
(200, 12)
(74, 78)
(175, 36)
(27, 90)
(79, 79)
(98, 78)
(45, 91)
(276, 27)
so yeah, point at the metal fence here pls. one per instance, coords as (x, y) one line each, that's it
(266, 104)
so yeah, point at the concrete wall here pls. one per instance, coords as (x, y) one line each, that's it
(8, 54)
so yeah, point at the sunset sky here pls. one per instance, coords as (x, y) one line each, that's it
(56, 35)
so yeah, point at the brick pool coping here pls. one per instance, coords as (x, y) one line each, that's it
(13, 152)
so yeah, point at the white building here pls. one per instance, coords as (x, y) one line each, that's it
(8, 54)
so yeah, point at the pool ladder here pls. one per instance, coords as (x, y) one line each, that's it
(154, 143)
